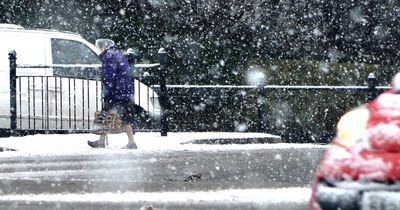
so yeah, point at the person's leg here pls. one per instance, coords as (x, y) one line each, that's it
(129, 133)
(103, 138)
(127, 120)
(101, 143)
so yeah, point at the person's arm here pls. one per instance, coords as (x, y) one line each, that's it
(109, 68)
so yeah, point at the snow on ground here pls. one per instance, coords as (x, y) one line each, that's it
(61, 144)
(76, 144)
(259, 196)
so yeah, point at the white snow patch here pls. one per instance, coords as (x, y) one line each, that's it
(259, 196)
(385, 134)
(70, 144)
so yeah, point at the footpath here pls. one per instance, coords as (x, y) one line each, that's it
(146, 141)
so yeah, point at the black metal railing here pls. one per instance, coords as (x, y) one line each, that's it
(66, 99)
(56, 103)
(297, 113)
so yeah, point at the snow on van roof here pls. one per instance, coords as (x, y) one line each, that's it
(10, 26)
(18, 27)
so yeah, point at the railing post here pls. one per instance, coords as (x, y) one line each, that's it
(372, 83)
(260, 108)
(12, 56)
(162, 57)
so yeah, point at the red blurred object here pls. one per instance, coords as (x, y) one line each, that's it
(384, 123)
(363, 161)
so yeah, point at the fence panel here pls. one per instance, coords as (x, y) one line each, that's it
(57, 103)
(296, 113)
(62, 103)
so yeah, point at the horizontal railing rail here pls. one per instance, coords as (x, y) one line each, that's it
(274, 87)
(59, 66)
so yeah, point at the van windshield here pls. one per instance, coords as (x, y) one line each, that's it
(72, 52)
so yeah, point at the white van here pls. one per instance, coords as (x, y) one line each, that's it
(58, 85)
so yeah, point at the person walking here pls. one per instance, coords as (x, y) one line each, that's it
(117, 90)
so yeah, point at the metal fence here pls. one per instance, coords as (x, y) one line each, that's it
(65, 101)
(296, 113)
(56, 103)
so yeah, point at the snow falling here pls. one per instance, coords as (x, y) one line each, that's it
(283, 68)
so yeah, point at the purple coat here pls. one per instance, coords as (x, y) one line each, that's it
(117, 81)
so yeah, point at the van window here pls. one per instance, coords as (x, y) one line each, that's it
(72, 52)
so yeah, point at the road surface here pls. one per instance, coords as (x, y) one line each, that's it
(135, 173)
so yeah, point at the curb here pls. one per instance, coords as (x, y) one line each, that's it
(245, 140)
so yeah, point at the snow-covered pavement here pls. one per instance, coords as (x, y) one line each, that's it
(53, 144)
(283, 198)
(62, 171)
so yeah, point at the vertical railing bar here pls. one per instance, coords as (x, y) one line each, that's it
(162, 56)
(148, 99)
(88, 103)
(152, 115)
(261, 108)
(74, 104)
(61, 102)
(29, 103)
(47, 104)
(233, 100)
(69, 104)
(12, 57)
(56, 102)
(153, 96)
(241, 106)
(83, 104)
(34, 103)
(42, 78)
(20, 103)
(139, 103)
(97, 95)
